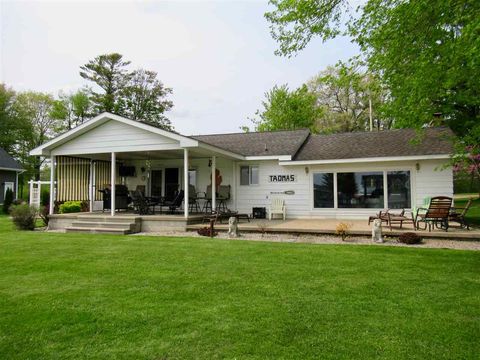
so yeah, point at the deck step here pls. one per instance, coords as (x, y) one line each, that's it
(98, 230)
(111, 225)
(104, 224)
(109, 219)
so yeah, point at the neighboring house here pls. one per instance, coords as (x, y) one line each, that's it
(9, 170)
(348, 175)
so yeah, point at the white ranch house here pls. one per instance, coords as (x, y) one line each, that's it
(342, 176)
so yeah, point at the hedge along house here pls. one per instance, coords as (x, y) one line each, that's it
(9, 170)
(349, 175)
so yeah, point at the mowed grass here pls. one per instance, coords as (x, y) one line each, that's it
(74, 296)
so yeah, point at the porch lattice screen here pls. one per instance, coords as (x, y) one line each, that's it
(102, 177)
(73, 178)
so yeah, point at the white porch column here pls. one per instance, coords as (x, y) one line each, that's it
(112, 182)
(91, 194)
(30, 195)
(52, 185)
(214, 183)
(186, 183)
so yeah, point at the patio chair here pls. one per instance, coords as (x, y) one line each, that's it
(175, 203)
(458, 215)
(401, 219)
(436, 215)
(277, 207)
(193, 199)
(382, 215)
(141, 204)
(223, 197)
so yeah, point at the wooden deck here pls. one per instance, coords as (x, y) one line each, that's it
(327, 226)
(166, 222)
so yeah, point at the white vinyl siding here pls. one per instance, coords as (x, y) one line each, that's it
(114, 136)
(429, 180)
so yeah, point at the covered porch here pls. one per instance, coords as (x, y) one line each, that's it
(109, 161)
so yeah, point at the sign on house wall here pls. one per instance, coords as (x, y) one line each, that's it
(282, 178)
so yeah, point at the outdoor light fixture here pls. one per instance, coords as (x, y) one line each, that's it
(417, 166)
(307, 170)
(210, 163)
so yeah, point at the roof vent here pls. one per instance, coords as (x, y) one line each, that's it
(266, 149)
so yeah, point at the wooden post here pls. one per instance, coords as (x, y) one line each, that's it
(112, 182)
(52, 185)
(214, 183)
(212, 228)
(185, 182)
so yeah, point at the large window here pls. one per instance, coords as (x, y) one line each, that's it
(398, 189)
(360, 190)
(249, 175)
(363, 190)
(323, 193)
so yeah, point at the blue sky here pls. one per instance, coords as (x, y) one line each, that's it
(217, 56)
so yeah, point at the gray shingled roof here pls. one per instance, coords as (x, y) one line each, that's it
(254, 143)
(6, 161)
(435, 141)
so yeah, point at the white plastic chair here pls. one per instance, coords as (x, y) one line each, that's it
(277, 207)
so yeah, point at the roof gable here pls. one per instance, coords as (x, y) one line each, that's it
(8, 162)
(134, 126)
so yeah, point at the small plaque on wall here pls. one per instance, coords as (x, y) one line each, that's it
(282, 178)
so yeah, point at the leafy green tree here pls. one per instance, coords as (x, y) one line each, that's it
(348, 95)
(11, 129)
(109, 72)
(428, 54)
(138, 94)
(34, 109)
(288, 110)
(72, 109)
(143, 98)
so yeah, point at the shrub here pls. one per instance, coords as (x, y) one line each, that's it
(7, 201)
(44, 214)
(45, 198)
(410, 238)
(85, 206)
(24, 216)
(342, 229)
(70, 207)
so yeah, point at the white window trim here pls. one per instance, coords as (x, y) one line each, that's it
(8, 185)
(250, 166)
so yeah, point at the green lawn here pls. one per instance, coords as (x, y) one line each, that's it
(106, 297)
